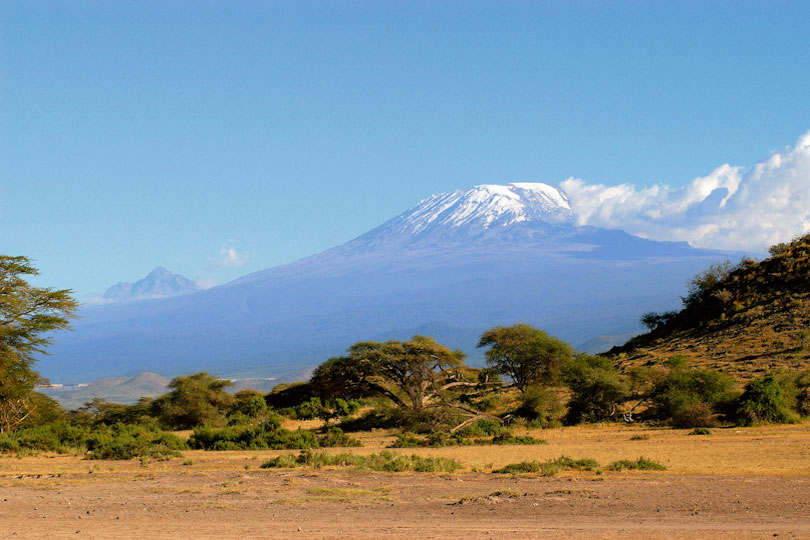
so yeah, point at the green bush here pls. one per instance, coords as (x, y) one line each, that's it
(265, 436)
(482, 428)
(336, 438)
(121, 441)
(597, 389)
(688, 397)
(640, 464)
(384, 461)
(508, 438)
(59, 437)
(764, 401)
(541, 406)
(550, 467)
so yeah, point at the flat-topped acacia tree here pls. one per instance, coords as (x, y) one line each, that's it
(28, 315)
(416, 375)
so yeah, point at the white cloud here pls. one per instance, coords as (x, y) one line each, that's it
(731, 208)
(229, 257)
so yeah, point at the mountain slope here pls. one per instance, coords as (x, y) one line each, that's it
(744, 320)
(461, 262)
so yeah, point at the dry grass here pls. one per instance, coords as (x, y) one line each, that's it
(778, 449)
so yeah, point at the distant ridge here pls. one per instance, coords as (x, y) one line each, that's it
(160, 283)
(125, 390)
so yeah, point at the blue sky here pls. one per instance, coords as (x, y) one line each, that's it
(219, 138)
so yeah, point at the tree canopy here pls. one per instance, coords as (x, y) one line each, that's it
(525, 354)
(28, 315)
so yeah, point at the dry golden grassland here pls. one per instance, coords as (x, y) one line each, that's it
(736, 483)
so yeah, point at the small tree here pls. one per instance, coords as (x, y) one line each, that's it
(195, 400)
(27, 316)
(525, 354)
(597, 389)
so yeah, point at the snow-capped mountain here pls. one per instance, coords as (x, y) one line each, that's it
(450, 267)
(160, 283)
(484, 207)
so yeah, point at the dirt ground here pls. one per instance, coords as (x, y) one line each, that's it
(743, 484)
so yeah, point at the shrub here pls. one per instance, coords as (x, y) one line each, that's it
(541, 406)
(121, 441)
(406, 440)
(517, 468)
(550, 467)
(384, 461)
(640, 464)
(59, 437)
(508, 438)
(482, 428)
(336, 438)
(597, 389)
(700, 431)
(764, 401)
(688, 397)
(267, 435)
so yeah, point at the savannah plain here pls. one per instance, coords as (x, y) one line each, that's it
(739, 482)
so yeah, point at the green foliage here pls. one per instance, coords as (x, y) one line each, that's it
(250, 403)
(541, 406)
(764, 401)
(597, 389)
(550, 467)
(509, 439)
(640, 464)
(44, 410)
(335, 437)
(121, 441)
(118, 441)
(384, 461)
(483, 428)
(653, 320)
(195, 400)
(707, 281)
(284, 395)
(526, 355)
(58, 437)
(268, 435)
(688, 397)
(28, 317)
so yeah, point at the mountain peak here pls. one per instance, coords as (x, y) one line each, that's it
(160, 283)
(479, 211)
(490, 205)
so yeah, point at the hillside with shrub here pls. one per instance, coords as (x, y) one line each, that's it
(743, 319)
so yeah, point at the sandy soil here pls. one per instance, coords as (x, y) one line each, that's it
(226, 495)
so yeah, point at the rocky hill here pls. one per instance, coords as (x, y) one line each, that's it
(743, 319)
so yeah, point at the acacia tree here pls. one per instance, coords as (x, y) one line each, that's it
(415, 375)
(27, 315)
(525, 354)
(195, 400)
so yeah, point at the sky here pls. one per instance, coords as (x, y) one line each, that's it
(217, 138)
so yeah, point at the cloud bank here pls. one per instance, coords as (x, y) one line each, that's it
(731, 208)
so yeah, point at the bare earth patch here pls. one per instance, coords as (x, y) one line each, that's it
(741, 484)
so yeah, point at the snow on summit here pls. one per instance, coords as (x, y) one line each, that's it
(489, 205)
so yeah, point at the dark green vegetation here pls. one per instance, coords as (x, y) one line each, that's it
(424, 390)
